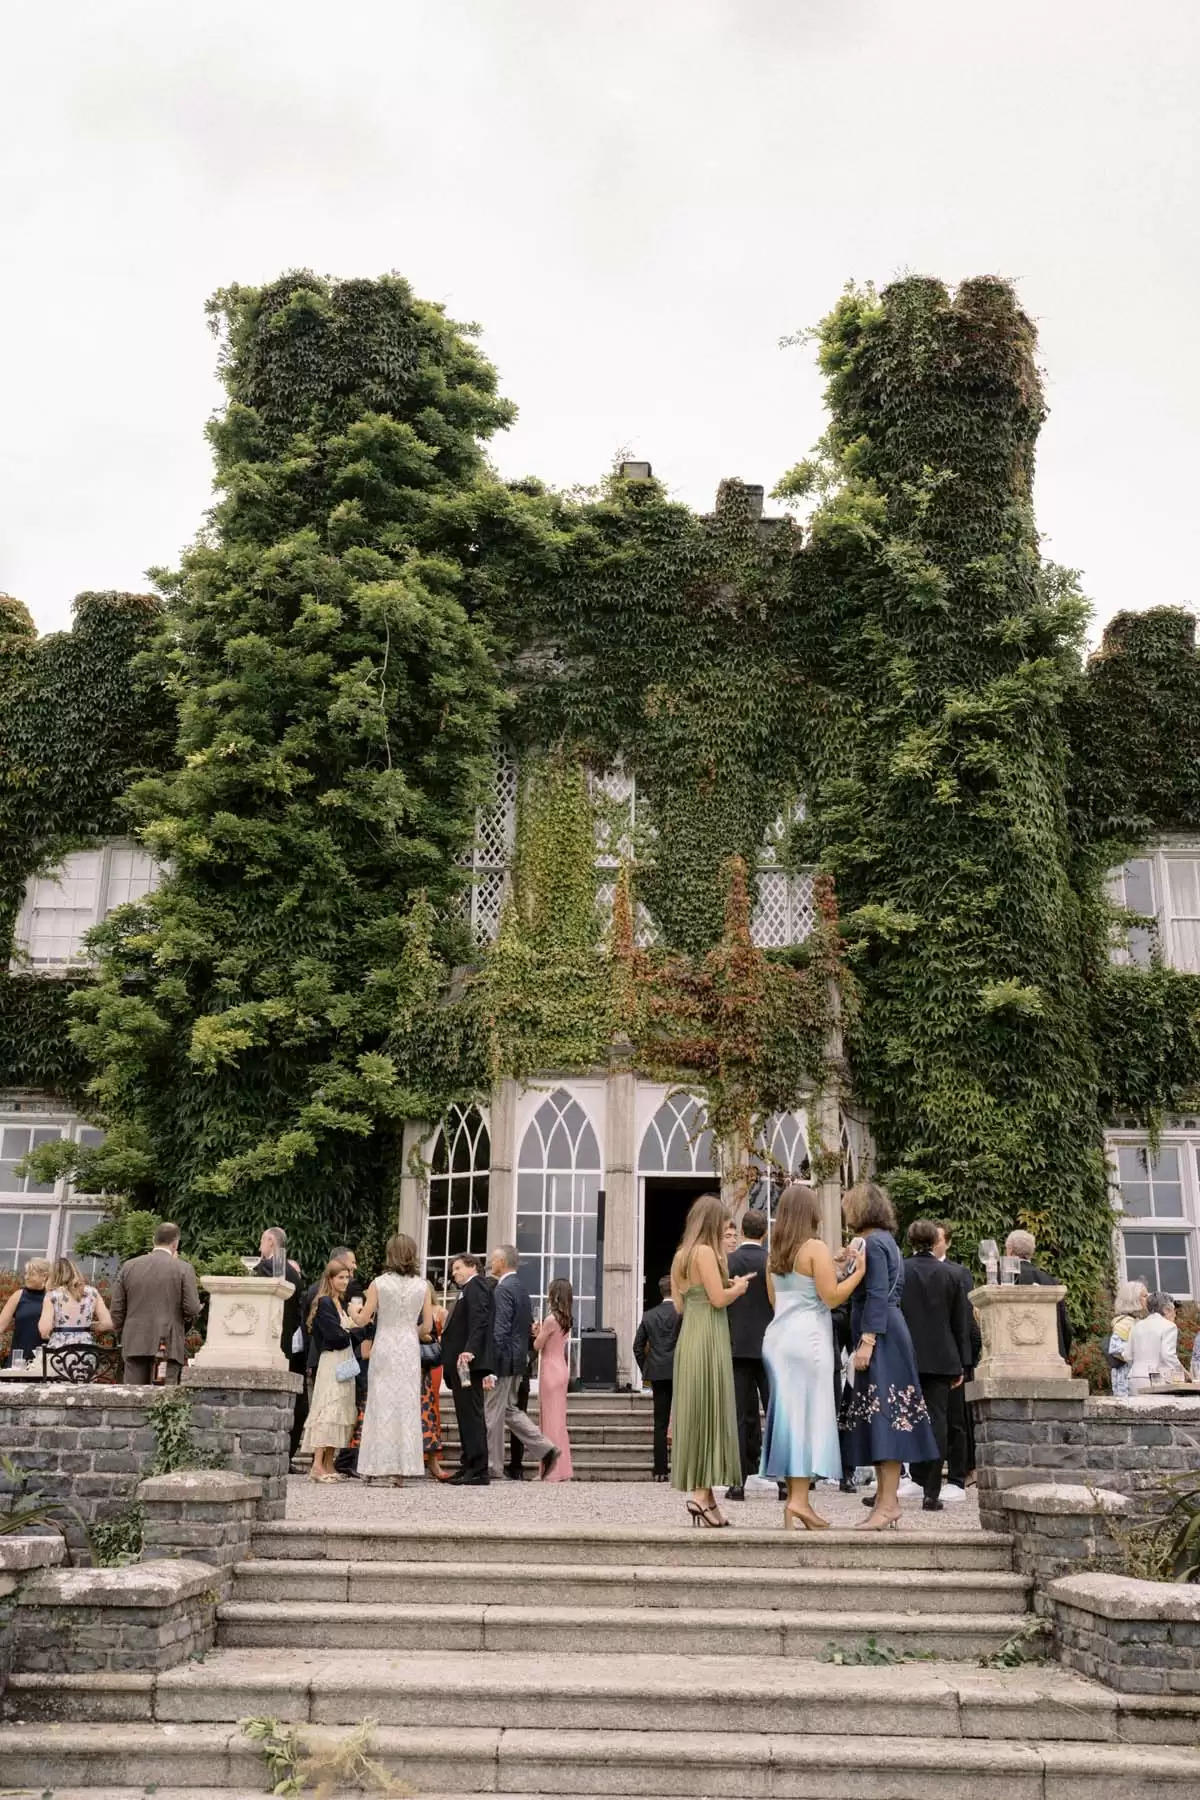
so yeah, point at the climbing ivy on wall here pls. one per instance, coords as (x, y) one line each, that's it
(79, 718)
(942, 650)
(260, 1025)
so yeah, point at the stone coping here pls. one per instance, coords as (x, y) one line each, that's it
(265, 1285)
(20, 1553)
(148, 1584)
(1026, 1387)
(89, 1395)
(1062, 1497)
(218, 1375)
(1170, 1409)
(207, 1485)
(1125, 1597)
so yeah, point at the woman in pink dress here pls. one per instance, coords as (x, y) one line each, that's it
(552, 1341)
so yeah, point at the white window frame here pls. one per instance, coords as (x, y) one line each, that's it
(23, 960)
(1164, 918)
(64, 1203)
(1184, 1136)
(459, 1120)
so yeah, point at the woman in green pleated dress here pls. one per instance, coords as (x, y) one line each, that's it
(704, 1439)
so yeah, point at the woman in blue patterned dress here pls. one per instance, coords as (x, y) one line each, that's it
(801, 1437)
(884, 1418)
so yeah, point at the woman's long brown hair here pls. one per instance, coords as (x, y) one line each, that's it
(797, 1220)
(705, 1224)
(325, 1291)
(561, 1301)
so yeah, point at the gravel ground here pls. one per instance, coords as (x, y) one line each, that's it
(579, 1503)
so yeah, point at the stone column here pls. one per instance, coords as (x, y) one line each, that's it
(502, 1183)
(826, 1121)
(245, 1323)
(414, 1190)
(620, 1191)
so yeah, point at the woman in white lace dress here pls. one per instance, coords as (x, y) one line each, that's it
(401, 1302)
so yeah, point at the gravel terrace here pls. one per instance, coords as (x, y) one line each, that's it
(580, 1503)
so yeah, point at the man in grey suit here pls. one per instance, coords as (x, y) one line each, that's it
(154, 1300)
(512, 1329)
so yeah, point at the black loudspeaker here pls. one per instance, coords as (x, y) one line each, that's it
(598, 1360)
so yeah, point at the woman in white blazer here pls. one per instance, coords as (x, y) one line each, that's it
(1154, 1342)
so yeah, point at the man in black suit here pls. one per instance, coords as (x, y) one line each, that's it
(1024, 1245)
(654, 1354)
(512, 1328)
(466, 1362)
(936, 1312)
(960, 1432)
(748, 1320)
(273, 1243)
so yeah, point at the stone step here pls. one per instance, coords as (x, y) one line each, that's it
(655, 1692)
(592, 1432)
(582, 1584)
(747, 1765)
(591, 1630)
(657, 1547)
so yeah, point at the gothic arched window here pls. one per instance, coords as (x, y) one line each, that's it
(678, 1140)
(780, 1155)
(558, 1181)
(458, 1192)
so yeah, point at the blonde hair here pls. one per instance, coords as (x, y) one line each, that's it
(37, 1273)
(68, 1277)
(797, 1220)
(868, 1207)
(705, 1224)
(1130, 1300)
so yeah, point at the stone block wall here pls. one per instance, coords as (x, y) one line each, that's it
(1062, 1529)
(244, 1418)
(1051, 1431)
(92, 1445)
(203, 1515)
(1140, 1637)
(148, 1616)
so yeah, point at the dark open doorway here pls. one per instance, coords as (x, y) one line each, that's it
(666, 1206)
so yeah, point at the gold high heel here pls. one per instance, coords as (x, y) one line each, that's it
(811, 1521)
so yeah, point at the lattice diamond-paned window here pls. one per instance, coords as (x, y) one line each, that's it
(784, 908)
(490, 856)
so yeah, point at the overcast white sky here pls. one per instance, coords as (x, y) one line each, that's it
(636, 200)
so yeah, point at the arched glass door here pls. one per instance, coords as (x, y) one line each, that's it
(558, 1181)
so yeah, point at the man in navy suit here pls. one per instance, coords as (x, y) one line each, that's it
(512, 1328)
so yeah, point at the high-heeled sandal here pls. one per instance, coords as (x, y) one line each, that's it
(707, 1515)
(875, 1523)
(811, 1521)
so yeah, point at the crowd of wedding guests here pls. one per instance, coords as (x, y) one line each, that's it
(857, 1359)
(788, 1362)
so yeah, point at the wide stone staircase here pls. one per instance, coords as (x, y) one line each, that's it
(620, 1661)
(612, 1435)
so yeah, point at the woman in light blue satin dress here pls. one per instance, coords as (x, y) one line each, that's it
(801, 1436)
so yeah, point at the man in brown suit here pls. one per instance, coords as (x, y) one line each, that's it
(154, 1300)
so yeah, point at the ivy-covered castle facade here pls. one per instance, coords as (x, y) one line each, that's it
(518, 865)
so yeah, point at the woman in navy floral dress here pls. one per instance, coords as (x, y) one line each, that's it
(884, 1419)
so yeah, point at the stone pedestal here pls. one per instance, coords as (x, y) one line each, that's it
(245, 1323)
(1020, 1334)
